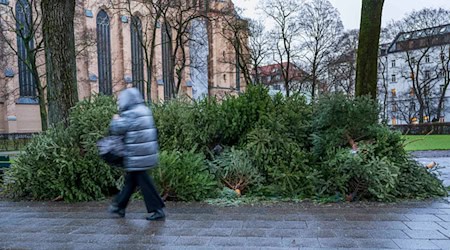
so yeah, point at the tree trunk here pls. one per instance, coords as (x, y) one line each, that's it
(42, 104)
(58, 32)
(40, 91)
(369, 36)
(314, 81)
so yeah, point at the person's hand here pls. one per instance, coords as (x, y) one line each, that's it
(116, 116)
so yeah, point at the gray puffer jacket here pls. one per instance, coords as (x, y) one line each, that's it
(137, 126)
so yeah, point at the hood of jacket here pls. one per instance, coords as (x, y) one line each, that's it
(129, 98)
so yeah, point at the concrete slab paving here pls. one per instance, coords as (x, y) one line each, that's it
(405, 225)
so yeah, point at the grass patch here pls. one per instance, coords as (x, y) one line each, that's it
(427, 142)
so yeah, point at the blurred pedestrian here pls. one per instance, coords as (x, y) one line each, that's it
(136, 124)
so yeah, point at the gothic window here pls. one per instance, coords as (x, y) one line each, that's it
(166, 35)
(137, 58)
(104, 53)
(25, 44)
(238, 73)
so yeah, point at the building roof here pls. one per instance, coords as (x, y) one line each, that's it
(274, 70)
(422, 38)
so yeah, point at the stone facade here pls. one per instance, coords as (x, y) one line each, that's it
(210, 76)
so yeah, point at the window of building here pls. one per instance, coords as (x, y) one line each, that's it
(137, 55)
(104, 53)
(394, 107)
(27, 83)
(394, 78)
(238, 72)
(394, 120)
(224, 77)
(394, 92)
(412, 106)
(427, 58)
(393, 63)
(427, 74)
(276, 87)
(167, 67)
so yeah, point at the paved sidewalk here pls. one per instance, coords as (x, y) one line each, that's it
(443, 167)
(57, 225)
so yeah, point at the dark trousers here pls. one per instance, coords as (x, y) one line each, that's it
(140, 178)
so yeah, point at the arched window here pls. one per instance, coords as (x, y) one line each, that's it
(137, 58)
(168, 70)
(104, 53)
(238, 72)
(25, 44)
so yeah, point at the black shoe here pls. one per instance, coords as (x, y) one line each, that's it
(116, 210)
(157, 215)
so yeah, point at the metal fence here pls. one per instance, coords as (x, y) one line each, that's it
(14, 141)
(424, 128)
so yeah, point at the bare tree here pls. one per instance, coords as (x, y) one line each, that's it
(258, 47)
(176, 25)
(235, 32)
(23, 23)
(284, 36)
(418, 47)
(403, 106)
(342, 64)
(321, 28)
(383, 79)
(145, 20)
(444, 75)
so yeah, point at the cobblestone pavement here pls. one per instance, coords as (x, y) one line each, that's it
(58, 225)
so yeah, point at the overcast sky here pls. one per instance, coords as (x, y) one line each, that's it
(351, 9)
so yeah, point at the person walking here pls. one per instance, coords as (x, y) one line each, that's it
(136, 124)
